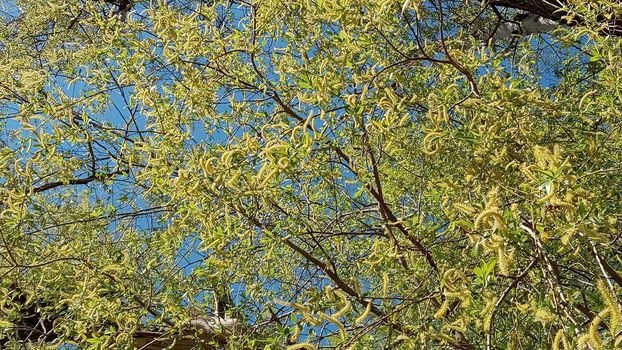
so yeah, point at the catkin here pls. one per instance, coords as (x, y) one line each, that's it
(385, 283)
(464, 207)
(347, 306)
(503, 261)
(295, 130)
(583, 341)
(551, 193)
(559, 340)
(296, 334)
(305, 346)
(612, 306)
(344, 310)
(427, 140)
(283, 163)
(486, 215)
(595, 338)
(364, 315)
(487, 315)
(336, 322)
(311, 320)
(440, 313)
(294, 305)
(267, 179)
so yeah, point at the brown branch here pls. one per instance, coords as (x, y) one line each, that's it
(553, 282)
(505, 293)
(468, 75)
(329, 269)
(82, 181)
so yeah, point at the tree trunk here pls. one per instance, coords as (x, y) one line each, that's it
(551, 9)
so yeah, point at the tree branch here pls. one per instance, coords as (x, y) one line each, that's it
(556, 9)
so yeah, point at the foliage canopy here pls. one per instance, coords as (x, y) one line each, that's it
(355, 174)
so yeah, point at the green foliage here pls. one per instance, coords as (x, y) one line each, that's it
(357, 174)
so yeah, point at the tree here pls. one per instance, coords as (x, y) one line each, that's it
(310, 174)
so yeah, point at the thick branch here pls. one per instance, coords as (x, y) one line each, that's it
(556, 9)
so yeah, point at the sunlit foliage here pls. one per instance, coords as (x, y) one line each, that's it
(356, 174)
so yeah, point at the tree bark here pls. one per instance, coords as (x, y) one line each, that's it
(554, 10)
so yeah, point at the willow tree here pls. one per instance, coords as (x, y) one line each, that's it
(352, 174)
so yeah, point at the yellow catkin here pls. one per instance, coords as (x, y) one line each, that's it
(492, 213)
(385, 283)
(263, 131)
(232, 180)
(311, 320)
(374, 262)
(272, 149)
(294, 305)
(295, 130)
(522, 307)
(403, 338)
(511, 164)
(194, 187)
(347, 306)
(487, 315)
(447, 275)
(296, 334)
(559, 340)
(283, 163)
(595, 338)
(465, 208)
(204, 165)
(308, 122)
(227, 158)
(562, 204)
(267, 179)
(566, 343)
(363, 316)
(612, 306)
(462, 295)
(336, 322)
(541, 155)
(301, 307)
(550, 194)
(503, 262)
(330, 292)
(344, 310)
(300, 346)
(583, 341)
(585, 97)
(428, 139)
(440, 313)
